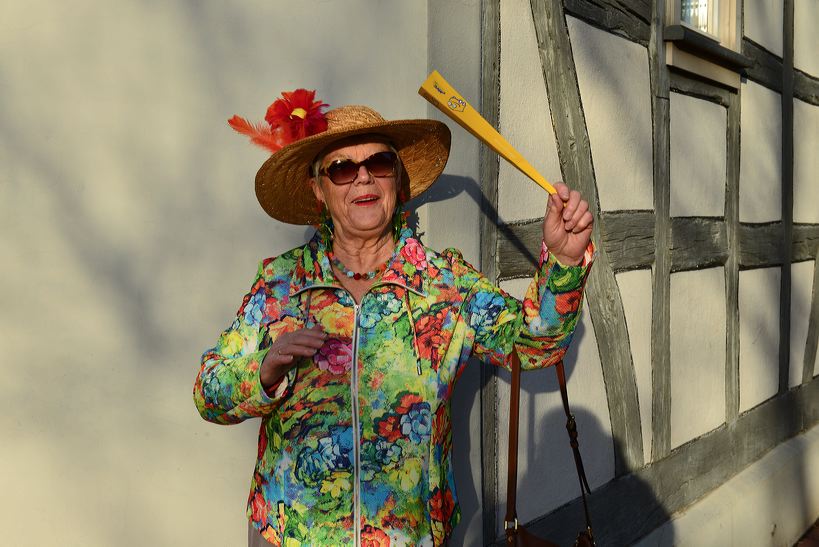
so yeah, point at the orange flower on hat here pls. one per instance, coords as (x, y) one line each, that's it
(294, 116)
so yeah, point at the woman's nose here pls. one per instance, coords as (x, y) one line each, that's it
(363, 175)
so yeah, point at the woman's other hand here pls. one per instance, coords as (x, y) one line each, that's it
(285, 351)
(567, 229)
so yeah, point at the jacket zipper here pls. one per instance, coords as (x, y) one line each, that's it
(356, 439)
(354, 393)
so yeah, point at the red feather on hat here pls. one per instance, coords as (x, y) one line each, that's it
(294, 116)
(260, 135)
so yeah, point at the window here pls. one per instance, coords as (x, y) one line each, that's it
(702, 15)
(701, 38)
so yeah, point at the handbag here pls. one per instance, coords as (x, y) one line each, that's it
(516, 534)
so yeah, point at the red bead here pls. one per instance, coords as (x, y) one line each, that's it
(356, 276)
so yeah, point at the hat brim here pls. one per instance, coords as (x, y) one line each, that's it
(283, 181)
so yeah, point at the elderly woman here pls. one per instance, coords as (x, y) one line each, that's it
(348, 347)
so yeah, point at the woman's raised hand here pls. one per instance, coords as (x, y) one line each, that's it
(567, 225)
(285, 351)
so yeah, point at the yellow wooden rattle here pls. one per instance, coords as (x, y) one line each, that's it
(437, 91)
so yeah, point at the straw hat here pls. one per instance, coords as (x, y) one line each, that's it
(282, 183)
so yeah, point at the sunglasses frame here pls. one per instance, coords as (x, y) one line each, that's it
(339, 162)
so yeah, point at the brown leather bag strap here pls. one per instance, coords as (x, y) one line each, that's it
(511, 520)
(571, 428)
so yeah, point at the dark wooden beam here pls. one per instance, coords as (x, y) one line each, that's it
(688, 85)
(805, 87)
(489, 167)
(603, 294)
(804, 242)
(766, 68)
(518, 249)
(628, 237)
(787, 197)
(698, 242)
(760, 245)
(661, 272)
(732, 261)
(627, 18)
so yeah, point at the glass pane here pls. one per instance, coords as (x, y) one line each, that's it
(701, 14)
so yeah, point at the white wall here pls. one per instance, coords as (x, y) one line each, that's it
(524, 115)
(451, 218)
(805, 37)
(802, 287)
(635, 291)
(805, 161)
(698, 157)
(758, 336)
(752, 507)
(763, 22)
(130, 232)
(760, 172)
(613, 77)
(697, 353)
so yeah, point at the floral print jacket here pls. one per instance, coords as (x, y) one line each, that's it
(355, 443)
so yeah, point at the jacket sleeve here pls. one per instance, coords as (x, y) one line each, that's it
(541, 327)
(228, 388)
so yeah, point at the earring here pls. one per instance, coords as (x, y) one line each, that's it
(399, 221)
(325, 223)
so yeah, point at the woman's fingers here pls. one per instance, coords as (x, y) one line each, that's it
(562, 191)
(584, 222)
(580, 209)
(301, 343)
(570, 205)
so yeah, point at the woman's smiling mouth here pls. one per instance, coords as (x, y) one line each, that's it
(366, 199)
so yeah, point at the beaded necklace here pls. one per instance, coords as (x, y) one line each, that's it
(355, 275)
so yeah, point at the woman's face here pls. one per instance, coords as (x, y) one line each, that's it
(363, 207)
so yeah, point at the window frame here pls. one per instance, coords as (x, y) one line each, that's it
(716, 58)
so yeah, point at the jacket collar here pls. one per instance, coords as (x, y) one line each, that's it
(406, 268)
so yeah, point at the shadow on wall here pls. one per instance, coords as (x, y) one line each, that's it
(551, 464)
(467, 475)
(547, 457)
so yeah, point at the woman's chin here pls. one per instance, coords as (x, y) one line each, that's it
(374, 226)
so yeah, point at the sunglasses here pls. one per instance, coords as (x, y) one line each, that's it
(380, 164)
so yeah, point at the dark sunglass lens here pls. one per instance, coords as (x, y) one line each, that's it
(342, 172)
(381, 164)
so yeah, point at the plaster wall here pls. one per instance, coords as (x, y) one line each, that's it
(524, 115)
(748, 509)
(698, 157)
(805, 37)
(763, 23)
(612, 74)
(131, 232)
(697, 353)
(635, 291)
(546, 475)
(805, 160)
(760, 174)
(802, 288)
(758, 336)
(451, 218)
